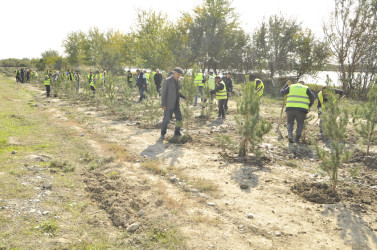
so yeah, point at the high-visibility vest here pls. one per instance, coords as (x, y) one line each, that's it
(211, 82)
(297, 96)
(260, 92)
(221, 94)
(147, 77)
(47, 80)
(91, 80)
(199, 80)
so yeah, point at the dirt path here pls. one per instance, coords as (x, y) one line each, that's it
(203, 190)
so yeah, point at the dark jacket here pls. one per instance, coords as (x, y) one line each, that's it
(170, 93)
(129, 77)
(157, 79)
(141, 81)
(228, 83)
(219, 86)
(285, 91)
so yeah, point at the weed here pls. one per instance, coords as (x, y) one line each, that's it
(49, 227)
(180, 139)
(167, 238)
(59, 164)
(204, 185)
(68, 169)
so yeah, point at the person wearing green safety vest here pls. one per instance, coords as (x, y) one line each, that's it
(91, 82)
(322, 99)
(199, 81)
(211, 82)
(299, 99)
(47, 83)
(147, 76)
(221, 96)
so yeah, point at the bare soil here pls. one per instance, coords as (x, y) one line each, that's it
(281, 200)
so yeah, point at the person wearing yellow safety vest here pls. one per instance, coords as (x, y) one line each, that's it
(299, 99)
(229, 87)
(47, 83)
(129, 77)
(221, 96)
(259, 86)
(211, 83)
(322, 99)
(91, 82)
(199, 81)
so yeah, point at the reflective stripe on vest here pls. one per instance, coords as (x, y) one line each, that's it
(221, 94)
(260, 92)
(297, 97)
(199, 80)
(47, 80)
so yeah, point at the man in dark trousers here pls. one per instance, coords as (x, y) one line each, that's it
(170, 95)
(229, 88)
(221, 96)
(141, 83)
(299, 99)
(129, 77)
(157, 80)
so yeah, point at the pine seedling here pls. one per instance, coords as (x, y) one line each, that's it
(189, 90)
(365, 118)
(249, 124)
(334, 123)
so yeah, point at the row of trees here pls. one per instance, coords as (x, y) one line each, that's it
(211, 37)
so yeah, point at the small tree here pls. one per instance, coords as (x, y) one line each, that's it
(334, 123)
(189, 90)
(250, 126)
(365, 118)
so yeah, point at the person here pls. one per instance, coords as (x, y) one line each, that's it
(129, 77)
(170, 72)
(91, 82)
(229, 87)
(103, 76)
(170, 95)
(157, 80)
(22, 75)
(259, 86)
(221, 95)
(141, 83)
(199, 81)
(77, 78)
(299, 99)
(322, 99)
(47, 83)
(18, 78)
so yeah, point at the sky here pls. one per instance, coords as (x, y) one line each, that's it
(30, 27)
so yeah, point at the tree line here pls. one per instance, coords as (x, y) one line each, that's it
(211, 37)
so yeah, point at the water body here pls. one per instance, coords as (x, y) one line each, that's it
(321, 77)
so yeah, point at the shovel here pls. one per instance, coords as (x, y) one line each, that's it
(311, 126)
(281, 115)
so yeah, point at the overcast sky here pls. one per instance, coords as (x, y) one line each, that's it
(29, 27)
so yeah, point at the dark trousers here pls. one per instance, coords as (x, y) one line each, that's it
(167, 116)
(48, 90)
(221, 105)
(158, 87)
(93, 89)
(141, 92)
(299, 116)
(226, 101)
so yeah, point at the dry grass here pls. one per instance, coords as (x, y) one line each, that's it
(154, 167)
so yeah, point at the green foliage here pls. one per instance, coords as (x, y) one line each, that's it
(249, 124)
(189, 90)
(49, 227)
(365, 118)
(334, 124)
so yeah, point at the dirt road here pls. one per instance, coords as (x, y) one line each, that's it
(196, 195)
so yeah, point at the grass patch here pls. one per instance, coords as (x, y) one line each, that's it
(154, 167)
(204, 185)
(163, 238)
(50, 227)
(180, 139)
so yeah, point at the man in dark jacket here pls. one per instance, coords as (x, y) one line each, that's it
(322, 99)
(299, 99)
(229, 88)
(141, 83)
(157, 80)
(129, 77)
(170, 95)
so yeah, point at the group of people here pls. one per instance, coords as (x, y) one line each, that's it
(299, 97)
(24, 75)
